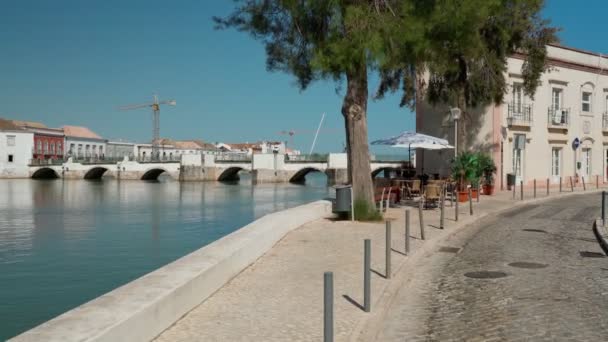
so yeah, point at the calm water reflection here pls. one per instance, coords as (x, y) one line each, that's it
(63, 243)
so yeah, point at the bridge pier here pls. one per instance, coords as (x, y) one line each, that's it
(336, 176)
(259, 176)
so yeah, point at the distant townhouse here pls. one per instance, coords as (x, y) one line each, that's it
(560, 133)
(48, 142)
(82, 143)
(16, 145)
(253, 148)
(169, 149)
(120, 149)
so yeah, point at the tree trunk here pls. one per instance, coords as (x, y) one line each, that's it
(354, 109)
(462, 104)
(462, 123)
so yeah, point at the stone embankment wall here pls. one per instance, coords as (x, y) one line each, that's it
(143, 308)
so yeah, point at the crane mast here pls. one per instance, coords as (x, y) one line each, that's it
(155, 105)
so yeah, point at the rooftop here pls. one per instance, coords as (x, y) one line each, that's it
(29, 124)
(80, 132)
(9, 125)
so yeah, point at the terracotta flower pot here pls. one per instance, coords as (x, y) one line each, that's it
(474, 193)
(488, 189)
(463, 196)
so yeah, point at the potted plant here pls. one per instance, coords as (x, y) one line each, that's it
(487, 169)
(475, 186)
(464, 169)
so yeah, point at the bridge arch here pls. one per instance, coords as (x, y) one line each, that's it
(95, 172)
(45, 173)
(152, 174)
(230, 174)
(300, 175)
(377, 171)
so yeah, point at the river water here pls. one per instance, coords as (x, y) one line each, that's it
(63, 243)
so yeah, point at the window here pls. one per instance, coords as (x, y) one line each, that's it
(556, 161)
(59, 149)
(52, 148)
(10, 140)
(39, 149)
(586, 167)
(10, 158)
(80, 150)
(556, 98)
(72, 148)
(518, 97)
(46, 147)
(586, 102)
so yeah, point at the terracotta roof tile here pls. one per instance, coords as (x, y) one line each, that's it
(31, 124)
(80, 132)
(9, 125)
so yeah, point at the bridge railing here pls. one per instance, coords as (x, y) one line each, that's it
(45, 162)
(307, 158)
(232, 157)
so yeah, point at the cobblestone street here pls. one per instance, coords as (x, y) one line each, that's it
(534, 273)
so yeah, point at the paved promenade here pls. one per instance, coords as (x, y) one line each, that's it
(279, 298)
(550, 282)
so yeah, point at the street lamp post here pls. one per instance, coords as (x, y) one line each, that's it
(455, 112)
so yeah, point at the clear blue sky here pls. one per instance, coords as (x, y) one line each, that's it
(74, 62)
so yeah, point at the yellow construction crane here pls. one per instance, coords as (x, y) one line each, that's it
(155, 105)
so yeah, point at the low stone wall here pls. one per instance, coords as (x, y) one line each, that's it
(143, 308)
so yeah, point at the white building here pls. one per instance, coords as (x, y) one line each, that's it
(82, 143)
(252, 148)
(16, 146)
(173, 149)
(561, 133)
(119, 149)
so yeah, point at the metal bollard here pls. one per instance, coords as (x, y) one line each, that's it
(534, 187)
(387, 258)
(367, 265)
(452, 197)
(571, 184)
(514, 186)
(478, 191)
(560, 184)
(442, 216)
(521, 189)
(407, 232)
(456, 211)
(603, 207)
(421, 219)
(470, 202)
(328, 307)
(548, 186)
(584, 186)
(597, 181)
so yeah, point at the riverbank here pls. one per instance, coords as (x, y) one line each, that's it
(64, 243)
(279, 297)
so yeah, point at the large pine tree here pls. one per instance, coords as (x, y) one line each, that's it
(338, 40)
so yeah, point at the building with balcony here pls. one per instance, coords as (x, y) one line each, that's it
(83, 144)
(16, 146)
(117, 150)
(48, 142)
(562, 132)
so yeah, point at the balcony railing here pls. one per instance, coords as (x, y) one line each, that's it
(558, 117)
(519, 115)
(605, 121)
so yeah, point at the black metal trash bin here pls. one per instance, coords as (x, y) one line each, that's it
(343, 200)
(510, 180)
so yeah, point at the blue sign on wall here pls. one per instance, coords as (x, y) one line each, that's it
(576, 143)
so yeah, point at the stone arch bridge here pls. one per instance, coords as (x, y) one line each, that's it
(265, 168)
